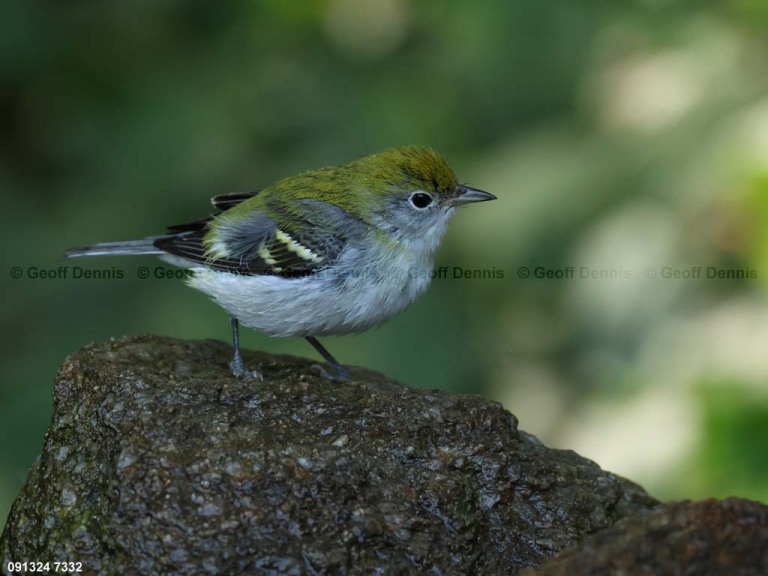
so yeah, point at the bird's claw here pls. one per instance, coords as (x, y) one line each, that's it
(239, 370)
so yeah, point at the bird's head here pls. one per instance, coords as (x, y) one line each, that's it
(410, 192)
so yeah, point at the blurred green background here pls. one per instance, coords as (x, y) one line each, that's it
(622, 136)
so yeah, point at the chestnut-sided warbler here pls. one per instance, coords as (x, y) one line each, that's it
(331, 251)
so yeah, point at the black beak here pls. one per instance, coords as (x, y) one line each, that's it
(468, 195)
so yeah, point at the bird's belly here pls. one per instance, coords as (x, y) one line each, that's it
(326, 303)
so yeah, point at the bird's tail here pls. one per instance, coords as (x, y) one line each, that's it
(145, 246)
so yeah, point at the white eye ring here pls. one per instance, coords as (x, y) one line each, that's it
(421, 200)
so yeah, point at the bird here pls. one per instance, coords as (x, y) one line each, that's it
(332, 251)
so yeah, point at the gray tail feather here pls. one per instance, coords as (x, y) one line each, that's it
(145, 246)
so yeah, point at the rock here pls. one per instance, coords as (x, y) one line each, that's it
(728, 538)
(157, 460)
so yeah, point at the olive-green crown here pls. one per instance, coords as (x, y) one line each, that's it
(408, 167)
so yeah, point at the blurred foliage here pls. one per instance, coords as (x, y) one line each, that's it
(722, 467)
(617, 136)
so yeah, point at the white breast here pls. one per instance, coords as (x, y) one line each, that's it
(367, 286)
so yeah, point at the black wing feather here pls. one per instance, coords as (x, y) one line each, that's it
(226, 201)
(201, 224)
(324, 234)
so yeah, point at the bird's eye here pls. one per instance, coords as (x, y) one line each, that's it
(420, 200)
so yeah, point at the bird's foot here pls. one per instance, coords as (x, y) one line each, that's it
(239, 370)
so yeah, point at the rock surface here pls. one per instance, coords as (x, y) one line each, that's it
(728, 538)
(159, 461)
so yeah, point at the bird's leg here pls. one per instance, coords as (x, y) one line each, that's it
(339, 373)
(237, 365)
